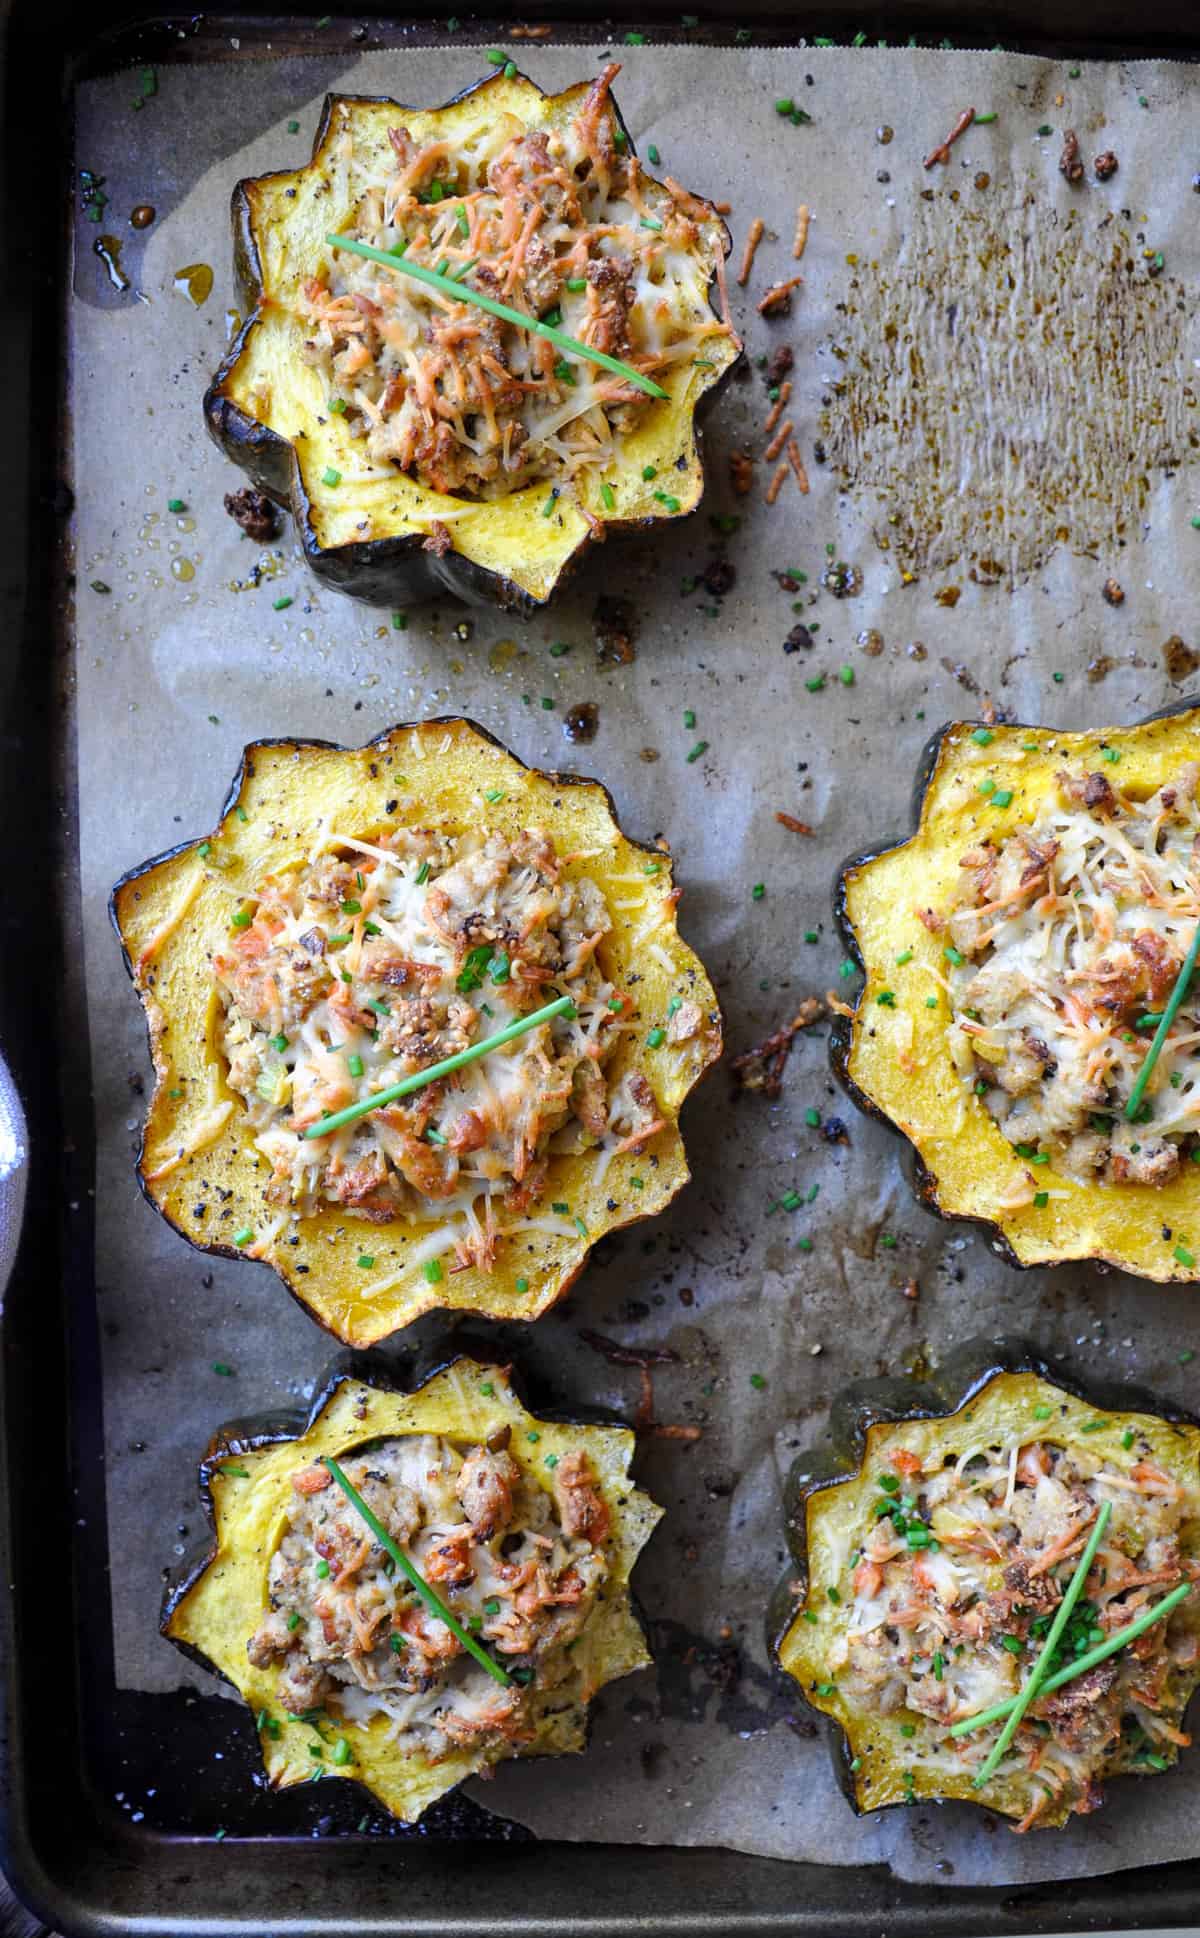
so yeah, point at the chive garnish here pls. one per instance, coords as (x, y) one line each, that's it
(465, 292)
(560, 1007)
(1160, 1035)
(1082, 1663)
(1037, 1675)
(429, 1596)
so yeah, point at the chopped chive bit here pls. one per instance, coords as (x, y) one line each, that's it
(608, 496)
(366, 1260)
(656, 1038)
(243, 1236)
(432, 1269)
(758, 1382)
(331, 477)
(701, 747)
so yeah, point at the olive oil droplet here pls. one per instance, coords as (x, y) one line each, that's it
(108, 248)
(195, 282)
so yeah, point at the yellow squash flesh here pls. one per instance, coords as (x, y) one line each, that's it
(217, 1612)
(899, 1057)
(282, 220)
(836, 1518)
(198, 1163)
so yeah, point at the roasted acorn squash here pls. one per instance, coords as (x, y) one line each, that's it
(222, 1594)
(367, 530)
(893, 1053)
(198, 1164)
(988, 1391)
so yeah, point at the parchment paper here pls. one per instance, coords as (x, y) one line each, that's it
(174, 675)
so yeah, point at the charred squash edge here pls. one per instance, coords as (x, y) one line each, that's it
(922, 1179)
(891, 1401)
(250, 1433)
(714, 1022)
(388, 571)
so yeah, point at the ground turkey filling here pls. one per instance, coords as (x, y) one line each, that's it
(559, 224)
(519, 1567)
(387, 955)
(956, 1584)
(1064, 946)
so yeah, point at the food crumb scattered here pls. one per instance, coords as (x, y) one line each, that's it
(254, 512)
(1070, 162)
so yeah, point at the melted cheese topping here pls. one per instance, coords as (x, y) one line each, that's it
(561, 225)
(1072, 933)
(520, 1567)
(954, 1587)
(383, 956)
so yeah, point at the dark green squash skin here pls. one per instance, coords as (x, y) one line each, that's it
(922, 1181)
(248, 1433)
(892, 1400)
(244, 768)
(387, 571)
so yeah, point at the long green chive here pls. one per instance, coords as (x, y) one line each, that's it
(465, 292)
(1160, 1035)
(1119, 1640)
(420, 1078)
(1037, 1674)
(429, 1596)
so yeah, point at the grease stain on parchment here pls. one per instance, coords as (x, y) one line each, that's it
(1013, 381)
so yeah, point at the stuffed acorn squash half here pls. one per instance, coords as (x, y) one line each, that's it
(1030, 1020)
(998, 1528)
(422, 440)
(389, 919)
(521, 1531)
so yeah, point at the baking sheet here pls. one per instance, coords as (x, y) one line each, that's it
(184, 657)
